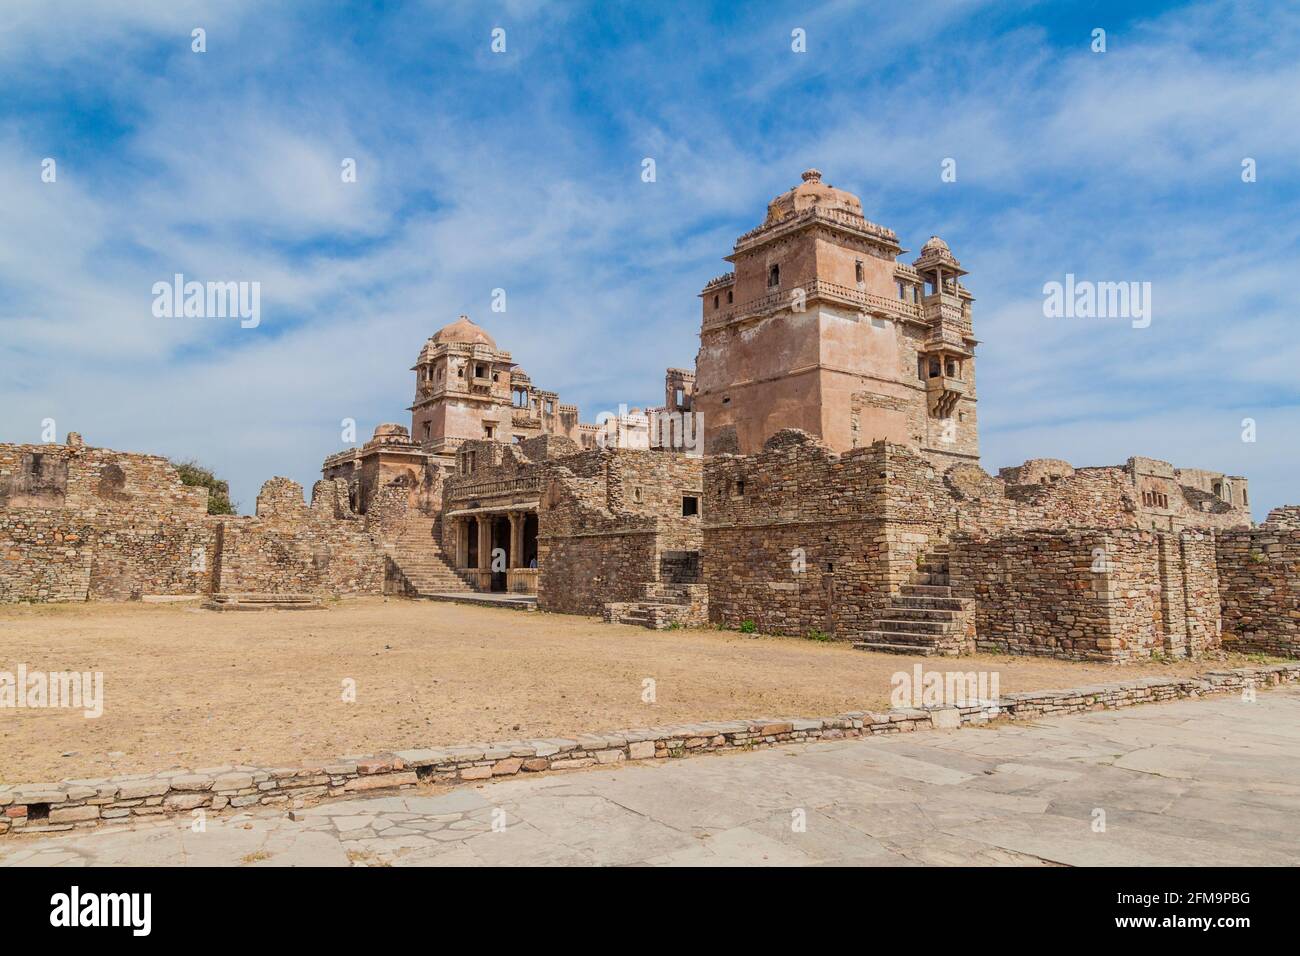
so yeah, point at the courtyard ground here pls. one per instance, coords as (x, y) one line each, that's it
(190, 688)
(1192, 783)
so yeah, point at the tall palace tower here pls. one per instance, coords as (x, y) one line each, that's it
(820, 327)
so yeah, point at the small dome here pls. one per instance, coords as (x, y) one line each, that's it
(391, 430)
(935, 252)
(811, 192)
(465, 332)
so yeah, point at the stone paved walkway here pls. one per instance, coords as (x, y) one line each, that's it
(1197, 782)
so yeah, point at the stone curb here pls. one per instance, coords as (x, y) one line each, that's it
(78, 804)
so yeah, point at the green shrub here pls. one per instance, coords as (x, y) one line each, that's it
(196, 476)
(748, 627)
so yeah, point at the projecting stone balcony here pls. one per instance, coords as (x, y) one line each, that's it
(948, 310)
(943, 392)
(464, 489)
(816, 289)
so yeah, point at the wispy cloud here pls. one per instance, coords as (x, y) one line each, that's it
(522, 171)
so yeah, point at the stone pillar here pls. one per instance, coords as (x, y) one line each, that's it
(516, 539)
(462, 542)
(484, 543)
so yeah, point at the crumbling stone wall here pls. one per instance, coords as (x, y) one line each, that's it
(291, 548)
(606, 520)
(1259, 574)
(80, 523)
(1285, 518)
(798, 538)
(794, 537)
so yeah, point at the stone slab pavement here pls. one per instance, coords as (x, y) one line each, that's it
(1213, 781)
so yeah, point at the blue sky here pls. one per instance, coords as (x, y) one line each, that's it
(522, 171)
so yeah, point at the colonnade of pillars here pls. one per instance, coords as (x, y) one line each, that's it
(474, 541)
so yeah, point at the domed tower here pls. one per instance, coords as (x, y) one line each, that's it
(820, 327)
(462, 390)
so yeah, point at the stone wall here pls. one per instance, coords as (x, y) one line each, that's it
(1189, 592)
(1259, 574)
(607, 519)
(293, 548)
(794, 537)
(1285, 518)
(95, 482)
(798, 538)
(80, 523)
(1111, 595)
(44, 557)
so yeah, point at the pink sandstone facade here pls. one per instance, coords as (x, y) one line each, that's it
(820, 328)
(835, 490)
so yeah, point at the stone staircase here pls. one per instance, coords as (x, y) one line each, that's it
(662, 606)
(925, 618)
(417, 565)
(251, 601)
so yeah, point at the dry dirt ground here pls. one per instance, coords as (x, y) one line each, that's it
(190, 688)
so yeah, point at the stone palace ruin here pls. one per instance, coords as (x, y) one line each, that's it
(816, 474)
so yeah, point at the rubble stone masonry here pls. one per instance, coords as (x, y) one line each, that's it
(1110, 595)
(799, 539)
(612, 522)
(293, 548)
(80, 523)
(1259, 573)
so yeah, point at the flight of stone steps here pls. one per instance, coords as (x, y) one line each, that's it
(420, 563)
(662, 606)
(924, 618)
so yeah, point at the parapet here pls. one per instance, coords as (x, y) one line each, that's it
(1037, 471)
